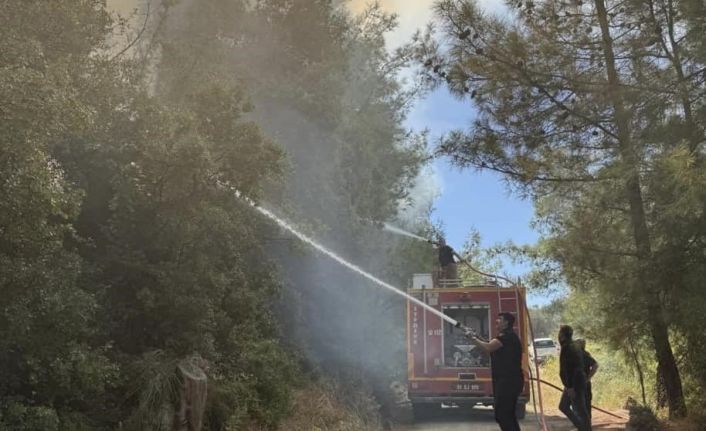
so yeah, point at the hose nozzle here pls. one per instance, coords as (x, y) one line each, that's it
(466, 330)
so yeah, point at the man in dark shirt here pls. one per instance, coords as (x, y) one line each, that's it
(506, 368)
(446, 260)
(571, 371)
(590, 366)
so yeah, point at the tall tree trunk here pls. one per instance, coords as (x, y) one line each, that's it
(666, 364)
(636, 358)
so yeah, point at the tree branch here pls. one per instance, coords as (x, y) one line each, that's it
(139, 34)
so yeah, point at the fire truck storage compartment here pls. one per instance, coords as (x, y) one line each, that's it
(458, 351)
(422, 281)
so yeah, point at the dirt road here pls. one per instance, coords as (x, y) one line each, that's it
(481, 419)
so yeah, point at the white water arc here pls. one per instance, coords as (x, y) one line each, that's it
(399, 231)
(340, 260)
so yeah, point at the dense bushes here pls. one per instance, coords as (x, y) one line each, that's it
(123, 249)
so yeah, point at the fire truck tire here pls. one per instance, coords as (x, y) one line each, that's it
(521, 410)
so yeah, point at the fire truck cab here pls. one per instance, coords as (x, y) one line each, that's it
(443, 367)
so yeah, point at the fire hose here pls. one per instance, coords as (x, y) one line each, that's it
(551, 385)
(540, 418)
(538, 380)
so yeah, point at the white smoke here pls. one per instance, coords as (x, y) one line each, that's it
(417, 207)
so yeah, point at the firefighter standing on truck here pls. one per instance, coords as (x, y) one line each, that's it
(446, 260)
(506, 368)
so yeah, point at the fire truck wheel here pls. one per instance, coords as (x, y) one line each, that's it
(520, 410)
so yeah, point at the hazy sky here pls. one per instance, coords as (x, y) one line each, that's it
(414, 14)
(123, 6)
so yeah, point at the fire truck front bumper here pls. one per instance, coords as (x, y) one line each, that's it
(458, 399)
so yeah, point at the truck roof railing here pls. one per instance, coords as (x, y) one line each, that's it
(450, 283)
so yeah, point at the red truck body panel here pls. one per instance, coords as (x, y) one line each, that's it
(442, 365)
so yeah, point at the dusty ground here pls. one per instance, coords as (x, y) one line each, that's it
(481, 419)
(556, 421)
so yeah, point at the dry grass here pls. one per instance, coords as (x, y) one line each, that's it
(319, 408)
(687, 425)
(614, 383)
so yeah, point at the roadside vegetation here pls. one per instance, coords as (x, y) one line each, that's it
(332, 406)
(124, 253)
(626, 379)
(613, 385)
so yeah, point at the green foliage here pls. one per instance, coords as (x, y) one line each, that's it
(614, 384)
(481, 260)
(617, 380)
(547, 319)
(51, 365)
(121, 235)
(17, 416)
(157, 387)
(181, 257)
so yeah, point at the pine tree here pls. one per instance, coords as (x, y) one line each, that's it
(580, 104)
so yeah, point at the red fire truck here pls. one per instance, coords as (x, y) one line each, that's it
(443, 367)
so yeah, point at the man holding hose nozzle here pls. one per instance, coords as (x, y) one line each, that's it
(506, 369)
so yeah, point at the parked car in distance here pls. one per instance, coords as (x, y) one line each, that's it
(545, 347)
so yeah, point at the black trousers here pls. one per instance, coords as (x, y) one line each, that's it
(575, 408)
(589, 399)
(506, 393)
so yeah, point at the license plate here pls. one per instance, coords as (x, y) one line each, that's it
(472, 387)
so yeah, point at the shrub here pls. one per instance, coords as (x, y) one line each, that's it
(643, 418)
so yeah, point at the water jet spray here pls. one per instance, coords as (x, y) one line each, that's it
(399, 231)
(287, 226)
